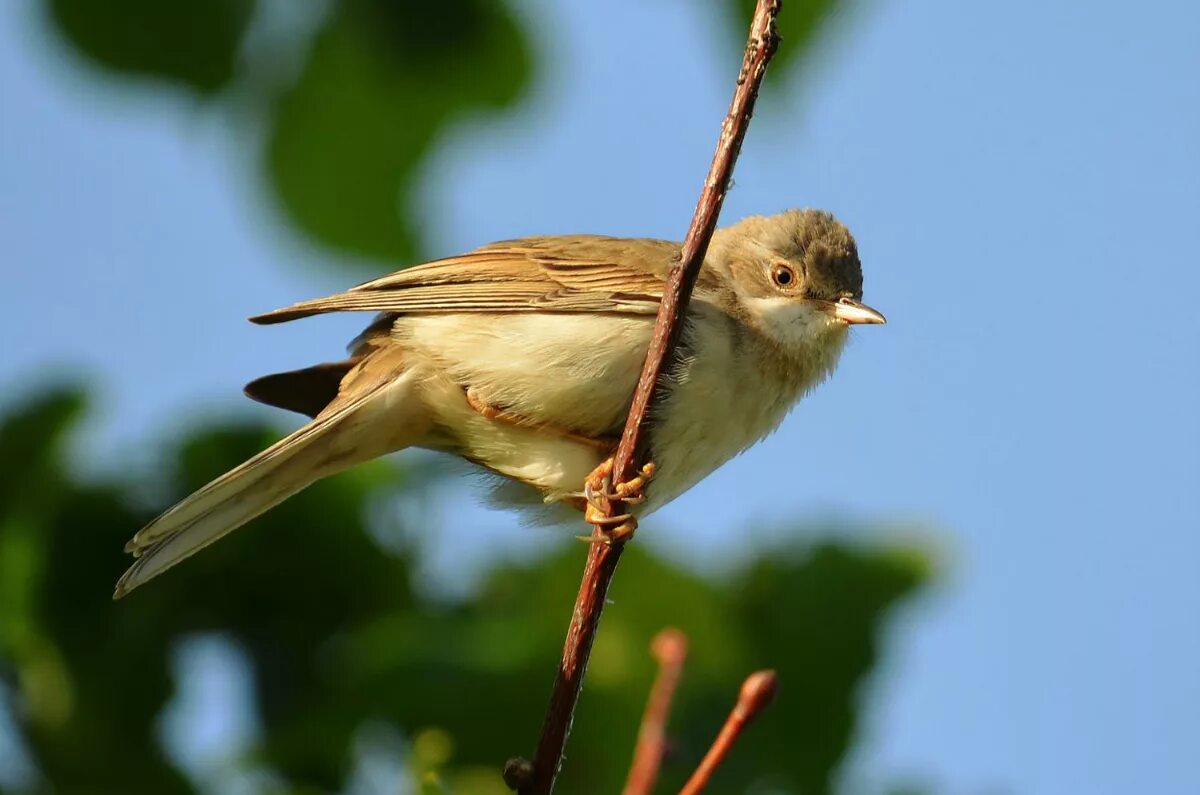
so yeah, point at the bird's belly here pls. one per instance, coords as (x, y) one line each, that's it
(571, 372)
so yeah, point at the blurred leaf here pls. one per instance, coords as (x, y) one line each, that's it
(182, 41)
(311, 572)
(31, 438)
(799, 23)
(84, 728)
(815, 616)
(94, 675)
(381, 82)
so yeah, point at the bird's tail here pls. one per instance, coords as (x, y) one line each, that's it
(377, 419)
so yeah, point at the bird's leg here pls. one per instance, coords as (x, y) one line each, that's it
(488, 411)
(599, 488)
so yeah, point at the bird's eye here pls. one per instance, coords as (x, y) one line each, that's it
(783, 275)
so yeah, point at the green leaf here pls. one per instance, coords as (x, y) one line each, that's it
(381, 82)
(86, 709)
(31, 440)
(815, 616)
(192, 43)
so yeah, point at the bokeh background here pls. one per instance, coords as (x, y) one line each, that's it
(972, 556)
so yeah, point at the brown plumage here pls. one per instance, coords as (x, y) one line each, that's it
(571, 273)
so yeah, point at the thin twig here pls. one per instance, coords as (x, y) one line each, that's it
(757, 692)
(669, 648)
(605, 551)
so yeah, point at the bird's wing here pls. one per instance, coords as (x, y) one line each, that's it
(579, 273)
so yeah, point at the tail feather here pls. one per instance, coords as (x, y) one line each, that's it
(313, 452)
(306, 391)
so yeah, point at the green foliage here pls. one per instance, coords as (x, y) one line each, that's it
(338, 638)
(348, 131)
(381, 81)
(193, 44)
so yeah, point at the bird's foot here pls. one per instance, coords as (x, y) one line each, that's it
(599, 485)
(599, 490)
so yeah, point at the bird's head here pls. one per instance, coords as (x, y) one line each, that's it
(796, 276)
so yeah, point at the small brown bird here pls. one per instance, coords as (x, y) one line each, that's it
(522, 357)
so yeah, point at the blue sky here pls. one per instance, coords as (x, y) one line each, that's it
(1024, 183)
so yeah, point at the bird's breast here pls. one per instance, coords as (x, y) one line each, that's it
(725, 395)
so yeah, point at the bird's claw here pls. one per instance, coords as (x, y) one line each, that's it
(634, 490)
(599, 491)
(599, 485)
(622, 532)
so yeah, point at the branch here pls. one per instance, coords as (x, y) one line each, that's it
(670, 650)
(605, 551)
(757, 692)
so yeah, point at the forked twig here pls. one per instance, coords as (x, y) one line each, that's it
(757, 692)
(670, 650)
(605, 551)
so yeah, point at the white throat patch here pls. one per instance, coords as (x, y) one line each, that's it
(797, 326)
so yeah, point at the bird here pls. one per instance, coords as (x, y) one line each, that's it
(522, 357)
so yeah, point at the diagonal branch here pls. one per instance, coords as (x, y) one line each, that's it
(605, 551)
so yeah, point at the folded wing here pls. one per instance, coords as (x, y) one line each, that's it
(579, 273)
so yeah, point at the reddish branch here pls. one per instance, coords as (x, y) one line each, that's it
(670, 650)
(757, 692)
(605, 552)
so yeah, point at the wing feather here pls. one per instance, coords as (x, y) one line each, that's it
(581, 273)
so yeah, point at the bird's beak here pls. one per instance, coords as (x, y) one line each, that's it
(854, 312)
